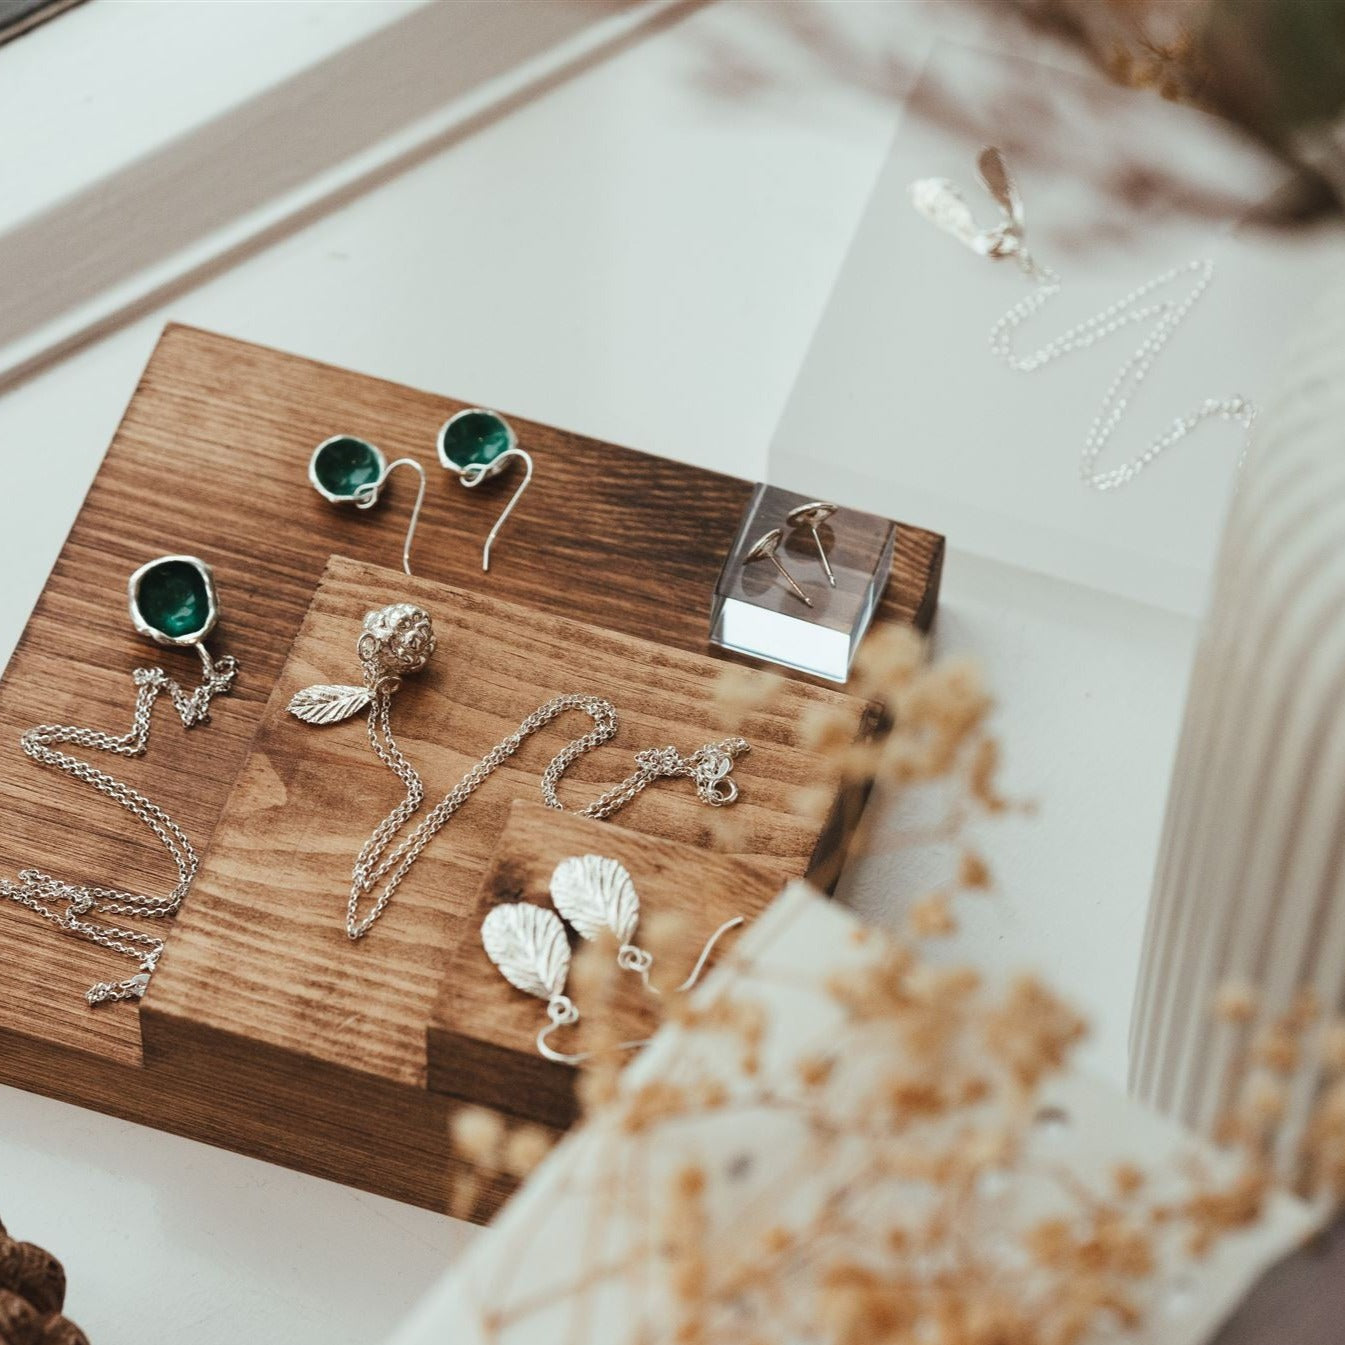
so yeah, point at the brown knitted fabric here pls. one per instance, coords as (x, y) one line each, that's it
(32, 1293)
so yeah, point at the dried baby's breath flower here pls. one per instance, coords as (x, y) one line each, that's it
(477, 1135)
(465, 1190)
(1264, 1101)
(1237, 1002)
(730, 830)
(668, 935)
(1127, 1180)
(972, 871)
(936, 1115)
(862, 760)
(932, 917)
(942, 987)
(1278, 1050)
(826, 728)
(1324, 1143)
(947, 697)
(1032, 1032)
(597, 1085)
(886, 659)
(684, 1241)
(652, 1103)
(815, 1070)
(1214, 1212)
(982, 776)
(594, 970)
(738, 692)
(1304, 1010)
(1331, 1048)
(813, 803)
(525, 1149)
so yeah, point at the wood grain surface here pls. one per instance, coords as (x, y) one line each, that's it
(210, 458)
(261, 950)
(482, 1040)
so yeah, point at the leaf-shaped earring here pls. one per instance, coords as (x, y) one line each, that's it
(596, 894)
(528, 945)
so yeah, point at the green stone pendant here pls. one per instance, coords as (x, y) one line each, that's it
(347, 470)
(475, 440)
(172, 600)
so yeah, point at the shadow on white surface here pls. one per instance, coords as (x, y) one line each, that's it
(257, 1252)
(1089, 689)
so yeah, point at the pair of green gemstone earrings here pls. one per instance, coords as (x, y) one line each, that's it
(476, 444)
(172, 602)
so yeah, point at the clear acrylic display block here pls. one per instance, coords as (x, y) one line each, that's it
(756, 613)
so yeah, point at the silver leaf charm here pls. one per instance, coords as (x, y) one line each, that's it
(324, 704)
(595, 893)
(528, 944)
(942, 204)
(997, 181)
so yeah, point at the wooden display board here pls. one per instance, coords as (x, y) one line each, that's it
(260, 954)
(211, 458)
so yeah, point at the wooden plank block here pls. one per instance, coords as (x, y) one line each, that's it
(482, 1039)
(261, 951)
(210, 457)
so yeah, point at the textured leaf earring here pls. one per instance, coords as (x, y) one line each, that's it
(478, 444)
(528, 944)
(596, 894)
(347, 470)
(172, 602)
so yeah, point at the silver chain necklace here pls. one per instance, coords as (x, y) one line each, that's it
(67, 905)
(398, 640)
(941, 203)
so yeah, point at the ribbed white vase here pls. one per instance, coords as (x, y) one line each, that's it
(1250, 882)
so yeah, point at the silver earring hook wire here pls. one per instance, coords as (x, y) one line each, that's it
(367, 497)
(631, 957)
(563, 1013)
(707, 950)
(476, 473)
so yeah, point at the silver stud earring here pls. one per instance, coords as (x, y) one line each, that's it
(596, 894)
(347, 470)
(812, 516)
(764, 548)
(478, 444)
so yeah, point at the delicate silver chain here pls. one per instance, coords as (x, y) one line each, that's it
(1167, 316)
(708, 766)
(66, 904)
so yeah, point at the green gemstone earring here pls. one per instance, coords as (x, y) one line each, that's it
(172, 602)
(478, 444)
(348, 470)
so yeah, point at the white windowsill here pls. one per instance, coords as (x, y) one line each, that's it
(201, 130)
